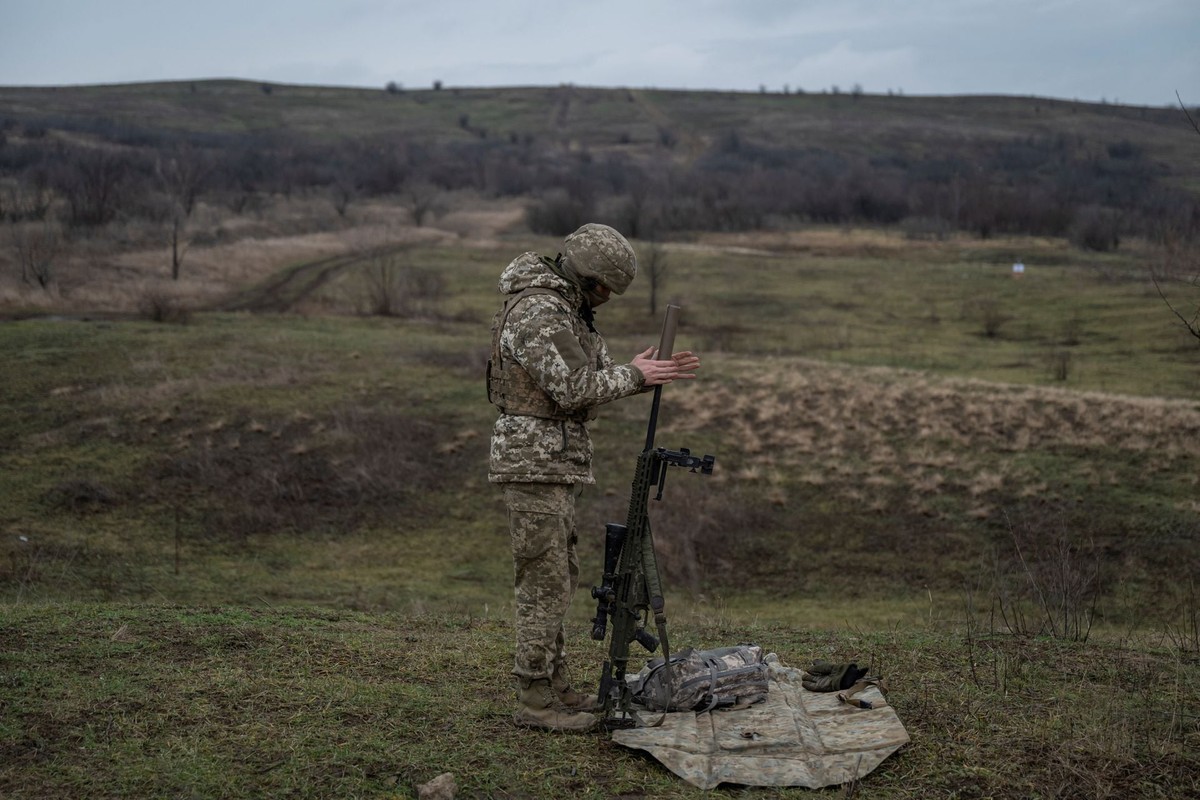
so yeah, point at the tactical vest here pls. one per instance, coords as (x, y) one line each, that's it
(509, 386)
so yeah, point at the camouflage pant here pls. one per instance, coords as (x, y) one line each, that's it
(541, 522)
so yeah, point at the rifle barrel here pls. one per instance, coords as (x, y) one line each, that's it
(666, 345)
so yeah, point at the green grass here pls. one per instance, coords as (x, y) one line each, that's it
(931, 314)
(127, 433)
(160, 700)
(289, 517)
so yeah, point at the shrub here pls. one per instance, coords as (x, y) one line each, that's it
(157, 305)
(1059, 362)
(38, 247)
(397, 288)
(81, 495)
(1096, 229)
(1048, 580)
(991, 315)
(557, 213)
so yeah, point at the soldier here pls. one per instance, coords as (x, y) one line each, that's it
(548, 372)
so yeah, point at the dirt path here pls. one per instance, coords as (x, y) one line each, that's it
(283, 290)
(289, 287)
(286, 289)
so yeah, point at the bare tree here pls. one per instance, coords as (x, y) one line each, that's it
(179, 242)
(181, 176)
(1174, 267)
(29, 201)
(342, 191)
(654, 262)
(1182, 261)
(422, 199)
(38, 246)
(396, 287)
(383, 286)
(90, 180)
(642, 207)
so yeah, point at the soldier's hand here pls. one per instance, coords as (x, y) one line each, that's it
(657, 372)
(687, 362)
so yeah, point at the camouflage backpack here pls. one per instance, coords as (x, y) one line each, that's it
(702, 680)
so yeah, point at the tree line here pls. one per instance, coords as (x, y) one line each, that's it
(88, 172)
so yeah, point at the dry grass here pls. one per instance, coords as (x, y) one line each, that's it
(897, 430)
(115, 272)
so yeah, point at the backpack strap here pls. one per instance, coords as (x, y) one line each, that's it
(849, 696)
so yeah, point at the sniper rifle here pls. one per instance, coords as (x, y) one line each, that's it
(631, 589)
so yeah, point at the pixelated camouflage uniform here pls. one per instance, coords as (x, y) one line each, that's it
(541, 461)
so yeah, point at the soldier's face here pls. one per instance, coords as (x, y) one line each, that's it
(598, 294)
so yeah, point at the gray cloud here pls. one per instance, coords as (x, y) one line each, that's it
(1086, 49)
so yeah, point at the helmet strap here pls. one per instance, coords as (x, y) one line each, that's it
(588, 314)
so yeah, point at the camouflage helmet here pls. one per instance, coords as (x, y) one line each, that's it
(599, 252)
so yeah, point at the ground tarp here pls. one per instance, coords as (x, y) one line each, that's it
(793, 738)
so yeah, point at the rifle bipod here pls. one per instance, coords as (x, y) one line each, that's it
(631, 589)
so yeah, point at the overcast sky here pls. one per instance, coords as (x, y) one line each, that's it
(1131, 51)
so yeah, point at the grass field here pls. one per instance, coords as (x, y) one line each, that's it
(257, 553)
(160, 700)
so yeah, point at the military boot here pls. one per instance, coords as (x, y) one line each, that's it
(539, 707)
(570, 698)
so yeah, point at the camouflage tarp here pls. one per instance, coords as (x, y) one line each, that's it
(793, 738)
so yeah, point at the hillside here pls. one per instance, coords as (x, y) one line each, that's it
(655, 163)
(247, 545)
(634, 120)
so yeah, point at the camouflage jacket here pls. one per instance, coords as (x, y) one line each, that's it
(546, 335)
